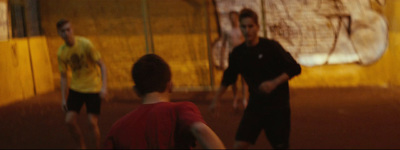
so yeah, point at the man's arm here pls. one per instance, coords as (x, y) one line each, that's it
(229, 77)
(286, 61)
(64, 88)
(103, 92)
(206, 136)
(289, 66)
(190, 119)
(270, 85)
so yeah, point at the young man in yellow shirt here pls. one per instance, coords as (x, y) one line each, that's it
(88, 83)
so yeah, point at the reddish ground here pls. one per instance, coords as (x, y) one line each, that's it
(334, 118)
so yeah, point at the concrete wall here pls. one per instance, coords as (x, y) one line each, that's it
(16, 76)
(383, 73)
(179, 32)
(393, 15)
(4, 20)
(180, 35)
(116, 28)
(18, 79)
(43, 76)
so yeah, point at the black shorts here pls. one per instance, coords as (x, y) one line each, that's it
(275, 122)
(76, 100)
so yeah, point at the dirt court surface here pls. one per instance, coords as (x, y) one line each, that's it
(323, 118)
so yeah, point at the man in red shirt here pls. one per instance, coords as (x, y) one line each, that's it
(159, 123)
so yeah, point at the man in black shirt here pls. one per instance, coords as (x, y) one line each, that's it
(266, 67)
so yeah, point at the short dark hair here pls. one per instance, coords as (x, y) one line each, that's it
(150, 74)
(61, 23)
(246, 12)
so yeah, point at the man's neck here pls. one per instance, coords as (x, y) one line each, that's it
(70, 43)
(155, 97)
(253, 42)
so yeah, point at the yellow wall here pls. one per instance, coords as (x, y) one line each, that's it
(15, 71)
(116, 29)
(393, 14)
(16, 77)
(41, 65)
(179, 34)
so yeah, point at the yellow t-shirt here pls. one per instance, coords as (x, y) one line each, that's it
(81, 58)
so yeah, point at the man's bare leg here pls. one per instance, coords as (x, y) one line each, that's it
(93, 121)
(72, 123)
(241, 145)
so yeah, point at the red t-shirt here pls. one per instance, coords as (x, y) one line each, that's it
(163, 125)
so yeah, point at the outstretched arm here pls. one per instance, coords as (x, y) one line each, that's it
(206, 136)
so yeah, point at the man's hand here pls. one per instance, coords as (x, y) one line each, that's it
(268, 86)
(104, 95)
(64, 106)
(215, 102)
(213, 108)
(213, 105)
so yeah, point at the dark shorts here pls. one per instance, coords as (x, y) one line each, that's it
(76, 100)
(275, 122)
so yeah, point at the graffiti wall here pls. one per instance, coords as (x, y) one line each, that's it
(3, 21)
(321, 32)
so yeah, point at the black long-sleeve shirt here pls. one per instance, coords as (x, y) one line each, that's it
(265, 61)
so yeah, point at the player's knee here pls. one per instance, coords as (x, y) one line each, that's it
(71, 118)
(70, 121)
(93, 123)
